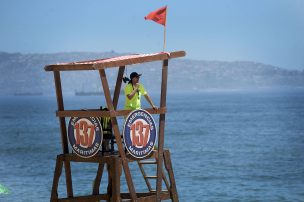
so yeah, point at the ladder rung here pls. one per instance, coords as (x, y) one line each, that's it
(152, 177)
(161, 190)
(147, 162)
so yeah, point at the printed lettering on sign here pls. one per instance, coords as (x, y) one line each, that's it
(139, 133)
(85, 136)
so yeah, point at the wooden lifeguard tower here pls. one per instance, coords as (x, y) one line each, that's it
(114, 161)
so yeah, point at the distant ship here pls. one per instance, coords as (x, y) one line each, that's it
(86, 93)
(28, 94)
(93, 93)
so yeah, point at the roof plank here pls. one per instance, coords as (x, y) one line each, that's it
(114, 62)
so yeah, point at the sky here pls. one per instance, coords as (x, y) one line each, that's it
(266, 31)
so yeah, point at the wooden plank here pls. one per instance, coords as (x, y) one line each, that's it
(108, 63)
(90, 198)
(165, 195)
(98, 158)
(115, 127)
(162, 117)
(98, 113)
(152, 177)
(147, 162)
(118, 86)
(151, 198)
(68, 67)
(158, 57)
(64, 141)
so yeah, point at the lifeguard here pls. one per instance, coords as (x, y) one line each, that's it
(133, 92)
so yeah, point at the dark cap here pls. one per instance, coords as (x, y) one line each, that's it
(134, 74)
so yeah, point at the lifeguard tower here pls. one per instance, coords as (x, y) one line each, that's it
(121, 159)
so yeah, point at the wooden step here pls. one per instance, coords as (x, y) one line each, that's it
(153, 190)
(151, 177)
(147, 162)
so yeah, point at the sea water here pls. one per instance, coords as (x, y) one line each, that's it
(225, 146)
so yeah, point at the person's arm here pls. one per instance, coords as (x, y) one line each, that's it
(150, 101)
(131, 95)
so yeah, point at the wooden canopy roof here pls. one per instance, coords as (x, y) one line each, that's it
(114, 61)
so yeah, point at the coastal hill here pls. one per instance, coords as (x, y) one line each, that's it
(24, 73)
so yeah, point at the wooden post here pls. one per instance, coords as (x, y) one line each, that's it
(98, 178)
(169, 168)
(115, 173)
(162, 117)
(64, 140)
(57, 173)
(118, 86)
(115, 127)
(109, 188)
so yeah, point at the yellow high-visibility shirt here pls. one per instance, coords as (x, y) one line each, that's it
(134, 103)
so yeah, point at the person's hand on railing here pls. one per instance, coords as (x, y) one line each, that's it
(154, 107)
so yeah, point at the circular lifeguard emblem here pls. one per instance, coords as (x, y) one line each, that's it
(85, 136)
(139, 133)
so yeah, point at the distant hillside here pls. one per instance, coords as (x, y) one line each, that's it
(24, 73)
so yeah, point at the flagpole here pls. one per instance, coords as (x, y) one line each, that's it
(165, 29)
(164, 38)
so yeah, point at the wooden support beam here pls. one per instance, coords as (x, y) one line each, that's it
(115, 127)
(162, 117)
(147, 196)
(91, 198)
(98, 113)
(118, 86)
(98, 178)
(98, 158)
(64, 141)
(166, 180)
(115, 173)
(169, 168)
(109, 186)
(57, 174)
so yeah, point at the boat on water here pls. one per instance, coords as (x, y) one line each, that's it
(86, 93)
(28, 94)
(93, 93)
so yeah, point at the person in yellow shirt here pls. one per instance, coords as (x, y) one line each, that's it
(133, 92)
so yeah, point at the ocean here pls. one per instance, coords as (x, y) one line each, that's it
(225, 146)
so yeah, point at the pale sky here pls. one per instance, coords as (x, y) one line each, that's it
(267, 31)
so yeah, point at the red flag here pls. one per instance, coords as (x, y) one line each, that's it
(158, 16)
